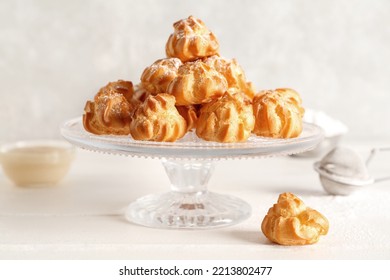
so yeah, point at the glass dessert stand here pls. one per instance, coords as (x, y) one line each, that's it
(189, 163)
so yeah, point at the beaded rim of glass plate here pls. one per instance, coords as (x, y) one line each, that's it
(191, 147)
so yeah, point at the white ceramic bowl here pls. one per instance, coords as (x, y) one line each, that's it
(333, 129)
(37, 162)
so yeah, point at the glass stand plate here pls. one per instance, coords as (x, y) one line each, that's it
(189, 163)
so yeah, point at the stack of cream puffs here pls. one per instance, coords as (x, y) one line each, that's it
(193, 88)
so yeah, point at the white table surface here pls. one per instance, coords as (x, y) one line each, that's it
(82, 217)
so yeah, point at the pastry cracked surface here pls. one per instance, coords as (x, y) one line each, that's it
(291, 222)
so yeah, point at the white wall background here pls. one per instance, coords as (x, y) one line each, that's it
(54, 55)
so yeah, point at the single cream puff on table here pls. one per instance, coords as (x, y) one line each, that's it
(110, 111)
(278, 113)
(191, 40)
(291, 222)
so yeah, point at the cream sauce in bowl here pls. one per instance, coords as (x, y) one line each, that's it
(37, 162)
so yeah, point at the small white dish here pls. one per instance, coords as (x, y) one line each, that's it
(333, 129)
(36, 162)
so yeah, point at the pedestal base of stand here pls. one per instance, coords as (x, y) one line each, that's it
(201, 210)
